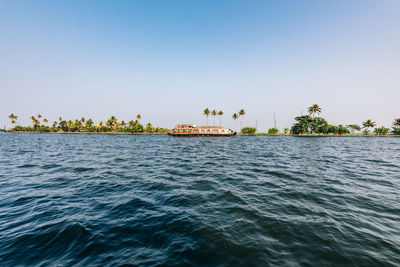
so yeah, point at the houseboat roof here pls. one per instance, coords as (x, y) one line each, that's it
(199, 127)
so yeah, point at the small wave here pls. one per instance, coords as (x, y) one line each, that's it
(26, 166)
(205, 202)
(50, 166)
(82, 169)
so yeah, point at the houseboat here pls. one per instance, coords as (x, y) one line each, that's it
(191, 130)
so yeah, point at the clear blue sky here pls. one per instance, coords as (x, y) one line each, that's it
(168, 60)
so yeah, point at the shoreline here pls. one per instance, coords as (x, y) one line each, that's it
(84, 133)
(239, 134)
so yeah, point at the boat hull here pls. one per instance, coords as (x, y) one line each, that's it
(201, 135)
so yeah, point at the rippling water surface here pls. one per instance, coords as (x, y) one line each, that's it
(160, 200)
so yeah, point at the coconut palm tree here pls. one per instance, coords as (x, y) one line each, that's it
(89, 123)
(100, 126)
(138, 117)
(396, 122)
(112, 122)
(314, 109)
(382, 130)
(206, 113)
(235, 117)
(286, 130)
(368, 124)
(35, 121)
(353, 127)
(241, 114)
(220, 113)
(149, 128)
(214, 114)
(123, 124)
(396, 127)
(39, 117)
(45, 121)
(13, 118)
(78, 124)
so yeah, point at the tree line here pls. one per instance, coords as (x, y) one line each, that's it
(240, 114)
(111, 125)
(312, 124)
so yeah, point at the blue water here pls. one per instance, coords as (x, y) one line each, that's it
(158, 200)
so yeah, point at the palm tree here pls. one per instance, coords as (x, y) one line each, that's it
(138, 117)
(314, 109)
(368, 124)
(35, 121)
(39, 117)
(89, 123)
(235, 117)
(78, 124)
(241, 114)
(60, 119)
(54, 125)
(45, 121)
(214, 114)
(220, 113)
(353, 127)
(149, 128)
(112, 122)
(396, 122)
(286, 130)
(13, 118)
(100, 126)
(83, 120)
(206, 113)
(123, 124)
(396, 127)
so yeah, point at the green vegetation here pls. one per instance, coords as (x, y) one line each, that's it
(310, 124)
(314, 125)
(87, 126)
(234, 117)
(338, 130)
(368, 124)
(314, 109)
(13, 118)
(382, 131)
(206, 113)
(241, 114)
(353, 128)
(273, 131)
(248, 130)
(214, 114)
(396, 127)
